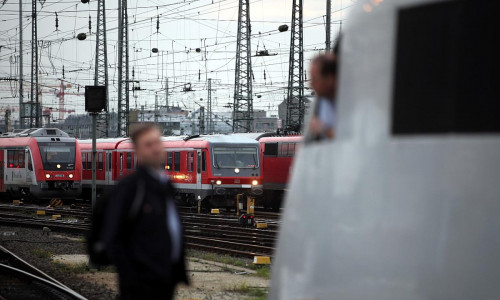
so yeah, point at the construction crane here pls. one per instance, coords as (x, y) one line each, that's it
(60, 94)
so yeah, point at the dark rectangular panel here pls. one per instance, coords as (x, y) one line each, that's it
(446, 57)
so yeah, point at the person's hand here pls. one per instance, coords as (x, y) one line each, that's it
(330, 134)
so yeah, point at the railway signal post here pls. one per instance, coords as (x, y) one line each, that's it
(95, 103)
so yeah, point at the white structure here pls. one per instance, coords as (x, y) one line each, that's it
(405, 202)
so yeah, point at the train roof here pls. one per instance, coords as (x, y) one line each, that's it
(260, 135)
(104, 140)
(282, 138)
(36, 132)
(213, 139)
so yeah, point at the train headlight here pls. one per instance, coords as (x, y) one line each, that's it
(255, 182)
(47, 176)
(70, 175)
(236, 170)
(58, 166)
(218, 182)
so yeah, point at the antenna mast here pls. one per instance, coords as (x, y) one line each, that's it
(123, 82)
(101, 66)
(243, 103)
(295, 97)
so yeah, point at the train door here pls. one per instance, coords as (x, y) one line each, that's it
(100, 166)
(199, 170)
(2, 166)
(29, 166)
(109, 169)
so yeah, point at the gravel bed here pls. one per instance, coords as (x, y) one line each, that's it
(37, 248)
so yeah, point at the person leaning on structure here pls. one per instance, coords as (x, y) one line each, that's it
(323, 80)
(142, 230)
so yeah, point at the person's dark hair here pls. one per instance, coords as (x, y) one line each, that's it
(327, 64)
(141, 130)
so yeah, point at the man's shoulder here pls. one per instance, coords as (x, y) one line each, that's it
(129, 180)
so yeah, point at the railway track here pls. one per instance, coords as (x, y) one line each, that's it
(21, 280)
(204, 232)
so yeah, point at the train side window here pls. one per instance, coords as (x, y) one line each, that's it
(84, 161)
(291, 149)
(169, 165)
(10, 158)
(283, 149)
(108, 158)
(441, 83)
(15, 159)
(203, 162)
(89, 161)
(121, 161)
(99, 161)
(128, 157)
(177, 161)
(271, 149)
(190, 161)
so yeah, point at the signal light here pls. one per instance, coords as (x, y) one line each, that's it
(255, 182)
(47, 176)
(70, 175)
(218, 182)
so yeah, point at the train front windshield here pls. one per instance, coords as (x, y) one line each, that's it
(58, 155)
(227, 157)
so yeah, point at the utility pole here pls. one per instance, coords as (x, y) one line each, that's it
(156, 109)
(209, 107)
(201, 124)
(328, 24)
(166, 94)
(94, 158)
(123, 82)
(101, 66)
(21, 78)
(243, 102)
(295, 96)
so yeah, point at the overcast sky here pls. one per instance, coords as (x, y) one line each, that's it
(184, 26)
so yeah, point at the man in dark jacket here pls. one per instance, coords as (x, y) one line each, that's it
(142, 230)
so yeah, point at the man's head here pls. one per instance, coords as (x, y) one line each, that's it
(323, 75)
(148, 147)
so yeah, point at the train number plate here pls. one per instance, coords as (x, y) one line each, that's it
(59, 175)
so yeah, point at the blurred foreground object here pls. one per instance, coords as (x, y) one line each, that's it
(406, 206)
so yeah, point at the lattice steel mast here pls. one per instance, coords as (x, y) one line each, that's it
(123, 81)
(21, 66)
(209, 108)
(243, 103)
(101, 66)
(295, 96)
(31, 113)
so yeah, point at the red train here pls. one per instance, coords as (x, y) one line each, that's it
(39, 163)
(277, 153)
(277, 158)
(211, 168)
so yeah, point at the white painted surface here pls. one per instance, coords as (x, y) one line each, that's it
(371, 216)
